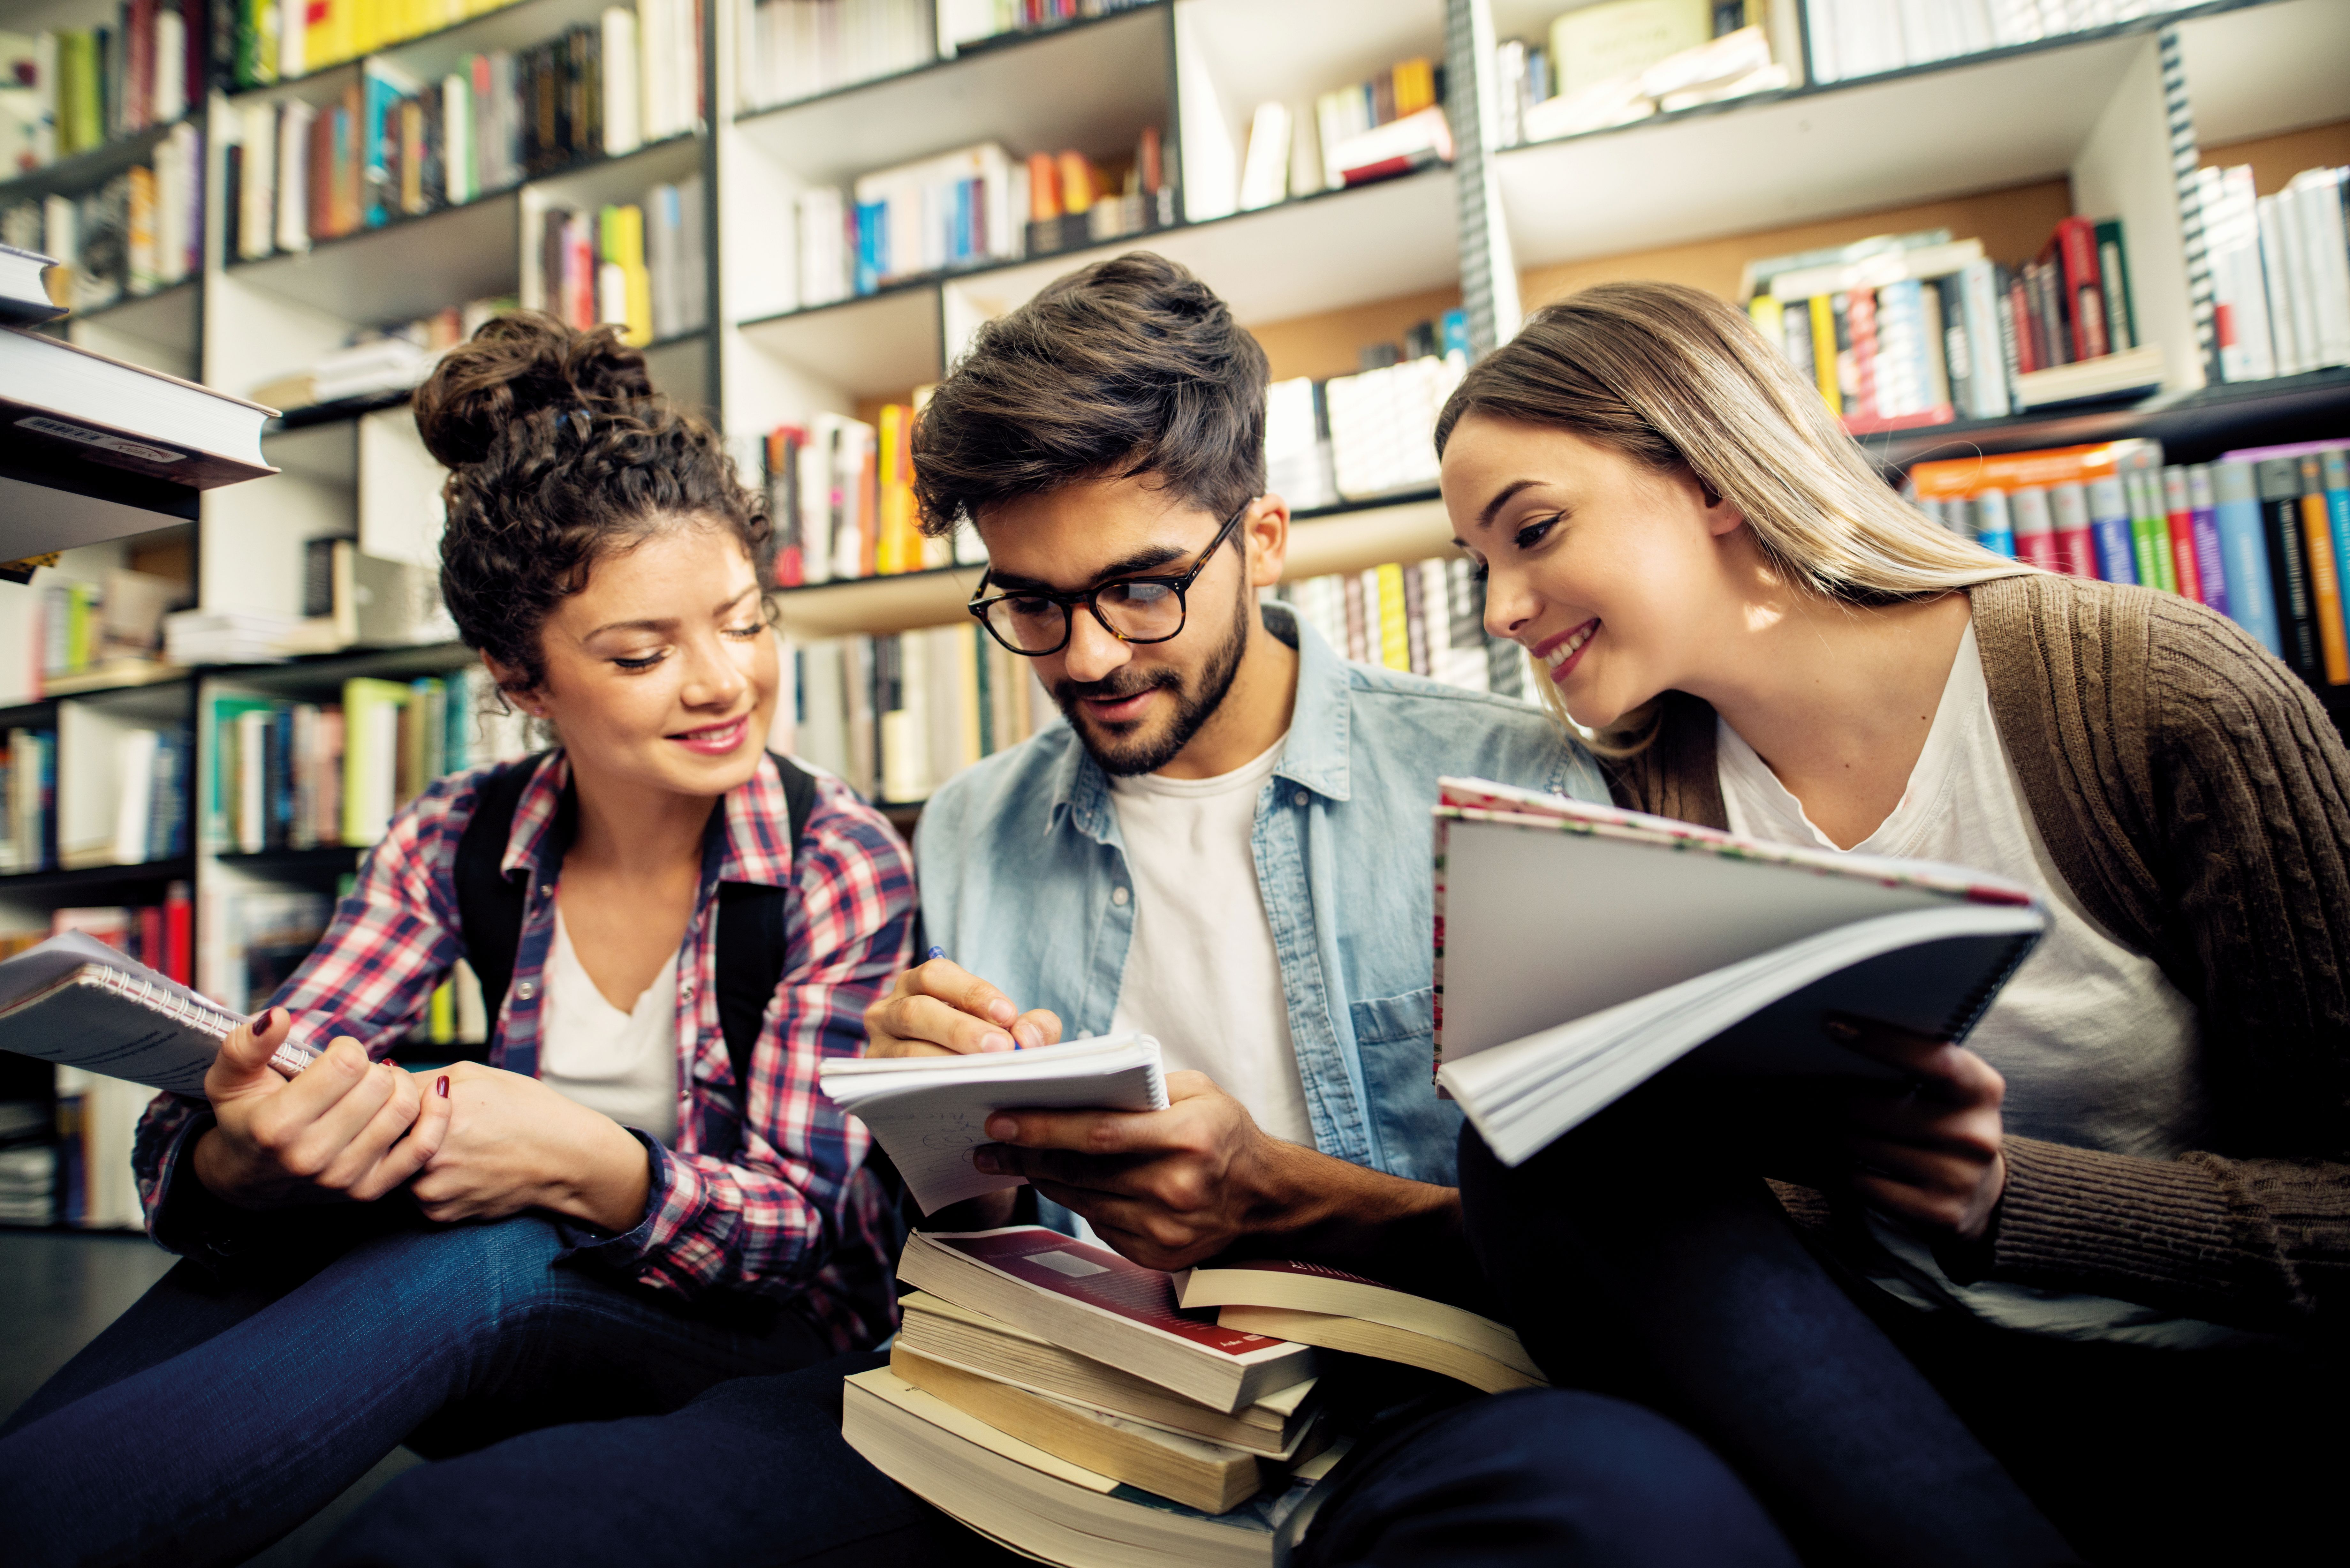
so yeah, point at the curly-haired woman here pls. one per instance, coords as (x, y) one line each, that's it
(604, 1222)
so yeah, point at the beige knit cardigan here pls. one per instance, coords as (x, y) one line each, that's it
(2196, 799)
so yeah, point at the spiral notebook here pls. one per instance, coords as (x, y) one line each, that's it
(74, 1000)
(1582, 950)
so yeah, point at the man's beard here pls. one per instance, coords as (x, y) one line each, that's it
(1193, 706)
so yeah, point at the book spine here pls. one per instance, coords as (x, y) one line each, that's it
(2279, 480)
(2179, 526)
(2324, 580)
(2114, 545)
(2149, 535)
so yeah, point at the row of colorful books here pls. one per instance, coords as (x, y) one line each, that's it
(143, 816)
(967, 208)
(643, 265)
(84, 625)
(1622, 61)
(296, 775)
(1904, 330)
(964, 23)
(2262, 535)
(1862, 38)
(841, 494)
(391, 145)
(77, 88)
(897, 715)
(139, 231)
(1082, 1408)
(2280, 270)
(1425, 617)
(792, 50)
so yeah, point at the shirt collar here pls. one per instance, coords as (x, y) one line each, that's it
(745, 845)
(1315, 755)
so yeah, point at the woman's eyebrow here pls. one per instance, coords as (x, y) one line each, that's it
(1501, 498)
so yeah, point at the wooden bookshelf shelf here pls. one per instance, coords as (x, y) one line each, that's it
(96, 878)
(87, 169)
(127, 676)
(2193, 427)
(319, 860)
(1090, 84)
(873, 346)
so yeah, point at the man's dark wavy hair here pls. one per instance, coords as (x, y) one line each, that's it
(1130, 367)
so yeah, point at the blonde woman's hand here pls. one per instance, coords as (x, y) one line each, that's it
(1928, 1152)
(344, 1129)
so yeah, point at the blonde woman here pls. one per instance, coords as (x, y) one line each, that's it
(2113, 1229)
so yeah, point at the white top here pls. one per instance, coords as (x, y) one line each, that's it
(2098, 1048)
(1202, 974)
(622, 1064)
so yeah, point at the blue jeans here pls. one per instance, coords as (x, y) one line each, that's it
(211, 1418)
(755, 1473)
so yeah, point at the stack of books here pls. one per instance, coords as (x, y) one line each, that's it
(380, 360)
(2263, 536)
(2280, 270)
(28, 1173)
(1086, 1409)
(1624, 60)
(641, 266)
(1863, 38)
(1054, 1395)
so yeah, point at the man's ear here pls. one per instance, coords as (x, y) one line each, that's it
(1266, 531)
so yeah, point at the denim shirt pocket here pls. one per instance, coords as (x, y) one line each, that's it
(1395, 1039)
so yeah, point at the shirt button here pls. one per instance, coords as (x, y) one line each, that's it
(526, 989)
(685, 988)
(1299, 797)
(1119, 896)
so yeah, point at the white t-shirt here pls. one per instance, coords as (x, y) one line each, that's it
(622, 1064)
(1202, 974)
(2098, 1048)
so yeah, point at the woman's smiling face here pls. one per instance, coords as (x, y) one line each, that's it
(1598, 565)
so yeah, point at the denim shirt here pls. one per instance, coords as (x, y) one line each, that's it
(1023, 882)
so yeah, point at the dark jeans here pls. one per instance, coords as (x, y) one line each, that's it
(211, 1418)
(1879, 1434)
(755, 1473)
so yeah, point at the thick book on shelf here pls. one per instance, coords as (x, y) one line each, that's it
(1195, 1472)
(941, 1330)
(929, 1113)
(1047, 1508)
(1727, 950)
(1314, 1304)
(26, 297)
(75, 1000)
(1090, 1300)
(70, 401)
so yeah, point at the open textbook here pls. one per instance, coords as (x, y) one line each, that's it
(1581, 949)
(929, 1113)
(72, 998)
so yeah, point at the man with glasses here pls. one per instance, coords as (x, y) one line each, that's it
(1228, 846)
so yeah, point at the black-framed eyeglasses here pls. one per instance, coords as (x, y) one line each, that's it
(1034, 622)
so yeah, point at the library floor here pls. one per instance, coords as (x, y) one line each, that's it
(58, 1290)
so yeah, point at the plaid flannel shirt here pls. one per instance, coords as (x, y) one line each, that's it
(786, 1211)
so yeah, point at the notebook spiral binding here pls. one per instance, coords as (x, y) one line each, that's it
(212, 1019)
(1969, 1012)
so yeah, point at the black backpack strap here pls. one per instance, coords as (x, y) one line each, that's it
(490, 904)
(751, 935)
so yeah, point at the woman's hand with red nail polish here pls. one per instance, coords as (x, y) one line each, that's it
(343, 1129)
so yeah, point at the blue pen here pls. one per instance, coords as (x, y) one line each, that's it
(942, 952)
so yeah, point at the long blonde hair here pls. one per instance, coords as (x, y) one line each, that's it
(1674, 377)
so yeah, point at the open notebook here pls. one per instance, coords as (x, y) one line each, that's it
(929, 1113)
(74, 1000)
(1581, 949)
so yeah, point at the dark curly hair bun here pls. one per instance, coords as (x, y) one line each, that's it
(516, 366)
(560, 452)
